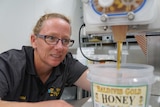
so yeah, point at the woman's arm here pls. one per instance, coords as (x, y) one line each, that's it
(82, 82)
(51, 103)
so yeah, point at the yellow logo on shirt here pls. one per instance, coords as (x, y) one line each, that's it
(22, 98)
(54, 91)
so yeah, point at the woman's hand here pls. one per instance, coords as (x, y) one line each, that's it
(54, 103)
(50, 103)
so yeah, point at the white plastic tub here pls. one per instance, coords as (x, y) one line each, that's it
(130, 86)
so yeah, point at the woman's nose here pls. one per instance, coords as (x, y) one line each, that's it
(59, 44)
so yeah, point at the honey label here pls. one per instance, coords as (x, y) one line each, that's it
(119, 96)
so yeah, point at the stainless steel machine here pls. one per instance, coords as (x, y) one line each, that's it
(141, 17)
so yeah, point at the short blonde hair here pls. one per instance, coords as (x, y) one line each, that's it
(45, 17)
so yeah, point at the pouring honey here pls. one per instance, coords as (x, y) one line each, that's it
(119, 33)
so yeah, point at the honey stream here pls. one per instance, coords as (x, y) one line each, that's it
(119, 54)
(119, 33)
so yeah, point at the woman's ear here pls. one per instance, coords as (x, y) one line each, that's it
(33, 39)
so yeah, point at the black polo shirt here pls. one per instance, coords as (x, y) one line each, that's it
(19, 81)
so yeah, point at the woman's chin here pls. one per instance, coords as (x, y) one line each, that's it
(54, 64)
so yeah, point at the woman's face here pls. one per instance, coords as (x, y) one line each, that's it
(52, 55)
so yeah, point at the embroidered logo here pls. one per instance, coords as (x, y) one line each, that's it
(23, 98)
(54, 91)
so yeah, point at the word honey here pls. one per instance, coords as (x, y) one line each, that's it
(119, 96)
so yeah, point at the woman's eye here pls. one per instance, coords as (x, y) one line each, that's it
(65, 41)
(51, 38)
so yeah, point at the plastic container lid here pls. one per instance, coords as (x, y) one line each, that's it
(128, 74)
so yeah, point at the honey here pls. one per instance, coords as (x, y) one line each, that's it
(119, 54)
(119, 34)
